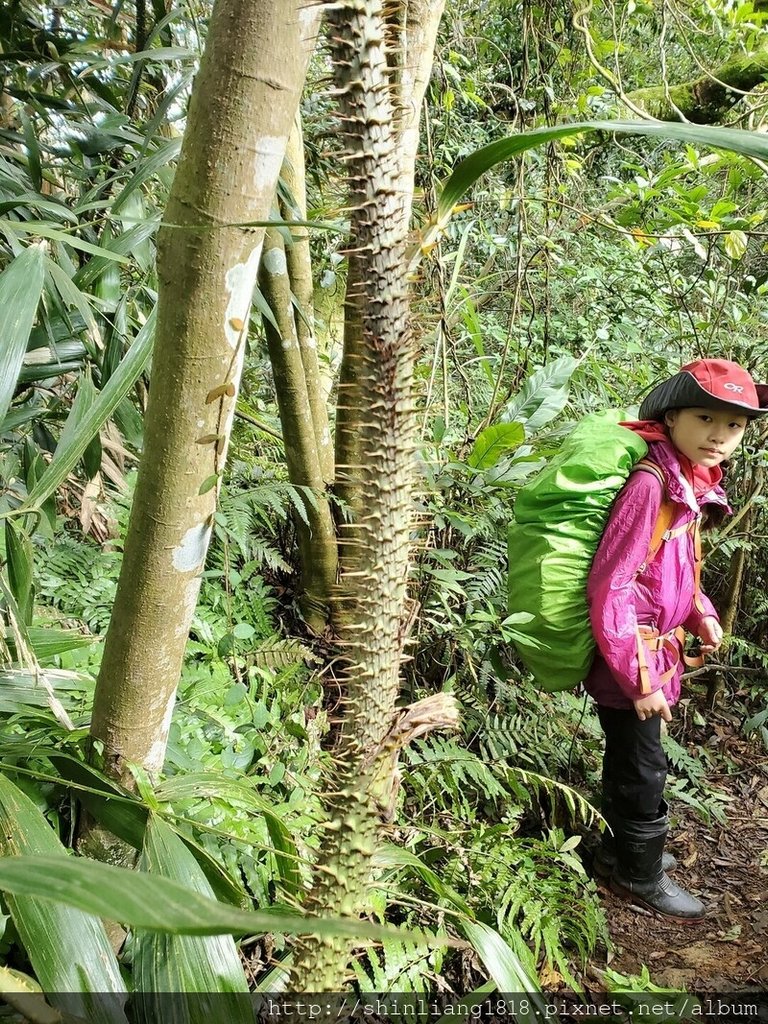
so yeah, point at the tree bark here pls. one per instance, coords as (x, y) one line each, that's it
(299, 263)
(379, 439)
(240, 115)
(705, 100)
(317, 536)
(411, 32)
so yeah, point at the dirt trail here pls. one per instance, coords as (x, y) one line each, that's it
(726, 866)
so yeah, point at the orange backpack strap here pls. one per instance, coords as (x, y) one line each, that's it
(666, 512)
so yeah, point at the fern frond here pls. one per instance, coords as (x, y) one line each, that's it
(280, 654)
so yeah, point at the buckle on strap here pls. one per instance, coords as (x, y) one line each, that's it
(651, 639)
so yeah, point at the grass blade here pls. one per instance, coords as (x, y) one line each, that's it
(114, 391)
(736, 140)
(21, 285)
(68, 949)
(203, 965)
(143, 901)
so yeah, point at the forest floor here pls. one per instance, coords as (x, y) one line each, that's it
(726, 866)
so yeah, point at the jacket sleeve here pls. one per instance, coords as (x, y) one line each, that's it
(611, 588)
(693, 622)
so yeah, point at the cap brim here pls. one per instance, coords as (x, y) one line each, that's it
(683, 391)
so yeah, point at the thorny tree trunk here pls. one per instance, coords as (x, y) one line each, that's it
(411, 31)
(378, 414)
(242, 108)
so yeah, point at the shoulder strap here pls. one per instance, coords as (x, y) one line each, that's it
(666, 511)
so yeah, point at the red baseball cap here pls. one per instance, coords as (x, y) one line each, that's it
(709, 384)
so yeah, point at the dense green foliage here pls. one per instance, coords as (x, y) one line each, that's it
(576, 277)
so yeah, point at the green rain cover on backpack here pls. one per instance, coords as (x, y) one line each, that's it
(559, 519)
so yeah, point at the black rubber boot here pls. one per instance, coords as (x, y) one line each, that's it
(605, 858)
(639, 876)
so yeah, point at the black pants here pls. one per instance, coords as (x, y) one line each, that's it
(634, 766)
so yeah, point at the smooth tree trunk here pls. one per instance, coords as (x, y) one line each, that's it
(242, 108)
(299, 262)
(316, 531)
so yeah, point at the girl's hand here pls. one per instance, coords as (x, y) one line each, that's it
(710, 634)
(651, 705)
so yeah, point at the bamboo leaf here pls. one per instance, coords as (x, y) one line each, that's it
(464, 1005)
(494, 442)
(68, 949)
(114, 391)
(21, 284)
(394, 856)
(21, 688)
(18, 549)
(44, 230)
(211, 785)
(505, 968)
(736, 140)
(126, 816)
(46, 641)
(84, 399)
(32, 201)
(204, 965)
(143, 901)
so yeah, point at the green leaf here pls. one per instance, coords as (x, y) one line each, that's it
(463, 1007)
(506, 969)
(394, 856)
(18, 548)
(48, 231)
(736, 140)
(142, 901)
(33, 150)
(126, 816)
(494, 442)
(204, 964)
(21, 688)
(543, 396)
(84, 399)
(114, 391)
(209, 483)
(21, 285)
(214, 785)
(47, 641)
(736, 244)
(68, 949)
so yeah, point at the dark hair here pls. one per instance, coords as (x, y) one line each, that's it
(712, 516)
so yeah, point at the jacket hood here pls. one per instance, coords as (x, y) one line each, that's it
(679, 486)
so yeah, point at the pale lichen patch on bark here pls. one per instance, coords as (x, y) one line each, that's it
(269, 157)
(275, 261)
(189, 555)
(239, 282)
(156, 756)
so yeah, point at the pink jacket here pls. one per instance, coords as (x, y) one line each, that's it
(623, 593)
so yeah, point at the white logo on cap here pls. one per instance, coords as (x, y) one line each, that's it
(733, 387)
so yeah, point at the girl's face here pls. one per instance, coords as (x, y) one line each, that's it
(705, 436)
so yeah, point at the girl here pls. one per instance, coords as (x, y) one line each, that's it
(642, 599)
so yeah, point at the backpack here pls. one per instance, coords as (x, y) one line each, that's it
(559, 520)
